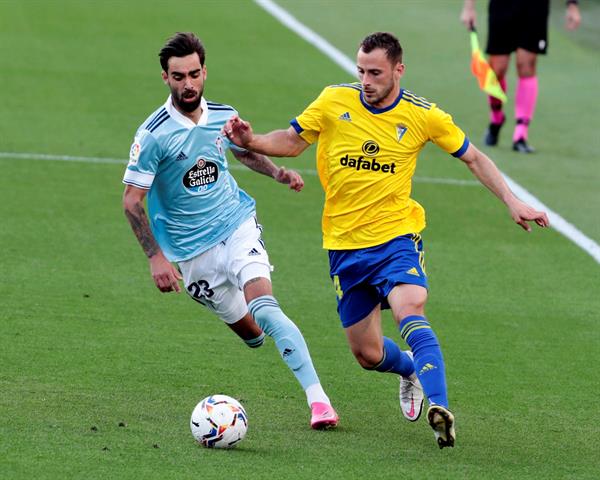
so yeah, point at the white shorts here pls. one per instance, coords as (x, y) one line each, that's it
(216, 277)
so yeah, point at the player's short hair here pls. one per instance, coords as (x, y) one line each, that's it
(387, 42)
(181, 45)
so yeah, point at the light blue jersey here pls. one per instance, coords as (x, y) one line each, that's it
(193, 201)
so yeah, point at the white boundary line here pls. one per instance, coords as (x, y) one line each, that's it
(234, 166)
(556, 221)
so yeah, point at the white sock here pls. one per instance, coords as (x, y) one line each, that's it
(315, 393)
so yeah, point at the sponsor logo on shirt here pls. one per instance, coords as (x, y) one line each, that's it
(370, 148)
(202, 176)
(362, 163)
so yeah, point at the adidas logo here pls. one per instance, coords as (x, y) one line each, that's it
(180, 157)
(345, 117)
(288, 351)
(427, 368)
(253, 252)
(413, 271)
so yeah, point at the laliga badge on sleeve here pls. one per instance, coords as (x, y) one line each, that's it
(134, 153)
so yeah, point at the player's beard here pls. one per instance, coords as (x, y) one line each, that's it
(374, 101)
(187, 105)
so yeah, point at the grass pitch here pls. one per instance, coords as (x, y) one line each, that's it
(100, 372)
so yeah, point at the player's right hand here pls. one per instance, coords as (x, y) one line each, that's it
(238, 131)
(166, 277)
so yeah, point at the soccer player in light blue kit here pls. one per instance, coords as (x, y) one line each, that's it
(201, 220)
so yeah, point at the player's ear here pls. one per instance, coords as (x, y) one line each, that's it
(399, 69)
(165, 76)
(204, 72)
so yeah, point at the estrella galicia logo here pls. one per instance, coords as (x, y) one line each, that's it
(370, 148)
(202, 176)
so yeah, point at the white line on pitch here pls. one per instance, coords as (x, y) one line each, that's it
(232, 166)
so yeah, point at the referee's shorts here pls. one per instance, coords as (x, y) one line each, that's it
(516, 24)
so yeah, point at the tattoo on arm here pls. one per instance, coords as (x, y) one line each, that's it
(259, 163)
(139, 224)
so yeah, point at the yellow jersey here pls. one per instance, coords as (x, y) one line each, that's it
(366, 158)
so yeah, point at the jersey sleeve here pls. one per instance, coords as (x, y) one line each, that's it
(310, 122)
(144, 157)
(445, 134)
(232, 146)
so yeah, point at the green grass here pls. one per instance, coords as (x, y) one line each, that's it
(87, 341)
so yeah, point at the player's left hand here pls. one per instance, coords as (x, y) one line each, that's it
(522, 213)
(291, 178)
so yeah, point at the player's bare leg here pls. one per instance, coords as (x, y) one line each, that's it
(373, 351)
(247, 329)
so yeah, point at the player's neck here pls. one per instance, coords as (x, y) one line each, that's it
(193, 116)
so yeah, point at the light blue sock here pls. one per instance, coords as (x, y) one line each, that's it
(428, 359)
(287, 336)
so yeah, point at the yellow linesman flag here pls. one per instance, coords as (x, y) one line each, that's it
(483, 72)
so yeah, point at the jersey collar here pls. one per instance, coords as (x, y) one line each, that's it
(182, 119)
(381, 110)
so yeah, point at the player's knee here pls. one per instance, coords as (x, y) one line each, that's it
(408, 309)
(526, 68)
(367, 358)
(415, 305)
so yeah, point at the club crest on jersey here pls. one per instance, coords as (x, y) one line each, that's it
(202, 176)
(219, 144)
(400, 131)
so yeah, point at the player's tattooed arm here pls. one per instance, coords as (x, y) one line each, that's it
(263, 164)
(257, 162)
(166, 277)
(133, 204)
(141, 228)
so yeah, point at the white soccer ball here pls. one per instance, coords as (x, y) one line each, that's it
(219, 421)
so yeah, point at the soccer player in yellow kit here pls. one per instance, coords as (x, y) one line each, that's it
(369, 135)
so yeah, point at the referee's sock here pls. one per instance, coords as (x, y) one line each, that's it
(428, 359)
(525, 100)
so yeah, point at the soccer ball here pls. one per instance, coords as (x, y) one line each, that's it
(219, 421)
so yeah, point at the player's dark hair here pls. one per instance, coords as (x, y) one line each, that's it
(181, 45)
(387, 42)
